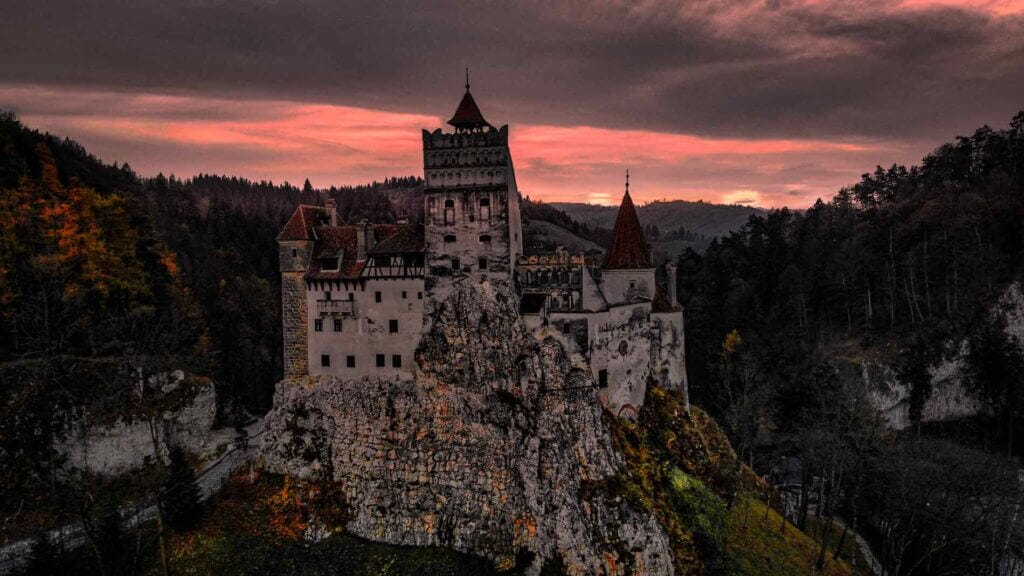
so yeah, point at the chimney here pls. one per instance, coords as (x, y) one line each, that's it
(364, 239)
(670, 278)
(332, 210)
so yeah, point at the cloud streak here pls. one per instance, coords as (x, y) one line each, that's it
(282, 140)
(788, 99)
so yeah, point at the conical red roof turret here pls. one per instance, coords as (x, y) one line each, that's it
(467, 115)
(628, 250)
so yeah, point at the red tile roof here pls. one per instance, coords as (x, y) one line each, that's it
(628, 250)
(302, 223)
(332, 240)
(468, 115)
(398, 239)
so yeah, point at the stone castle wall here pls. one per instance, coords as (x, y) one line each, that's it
(295, 326)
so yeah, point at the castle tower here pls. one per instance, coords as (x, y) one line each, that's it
(628, 270)
(295, 244)
(471, 203)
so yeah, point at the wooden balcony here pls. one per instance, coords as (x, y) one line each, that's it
(335, 308)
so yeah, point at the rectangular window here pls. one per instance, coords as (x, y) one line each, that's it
(456, 265)
(325, 360)
(318, 325)
(376, 297)
(396, 361)
(419, 295)
(602, 378)
(404, 294)
(380, 360)
(393, 326)
(351, 296)
(295, 253)
(350, 361)
(327, 295)
(337, 324)
(483, 263)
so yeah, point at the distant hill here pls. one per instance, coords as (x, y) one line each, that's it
(542, 236)
(700, 217)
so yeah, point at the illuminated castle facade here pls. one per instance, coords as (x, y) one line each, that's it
(355, 297)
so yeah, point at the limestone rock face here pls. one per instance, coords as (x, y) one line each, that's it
(949, 399)
(489, 450)
(113, 448)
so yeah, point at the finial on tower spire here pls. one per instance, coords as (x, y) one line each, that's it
(467, 78)
(627, 180)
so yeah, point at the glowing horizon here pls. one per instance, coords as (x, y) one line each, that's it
(287, 141)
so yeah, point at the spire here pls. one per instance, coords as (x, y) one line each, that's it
(628, 250)
(467, 115)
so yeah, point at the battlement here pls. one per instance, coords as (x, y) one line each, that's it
(490, 136)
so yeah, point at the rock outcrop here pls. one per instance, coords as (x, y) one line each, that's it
(485, 451)
(949, 400)
(111, 448)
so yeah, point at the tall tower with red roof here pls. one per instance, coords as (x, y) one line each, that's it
(628, 270)
(471, 203)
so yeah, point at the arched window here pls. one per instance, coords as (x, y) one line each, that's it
(449, 238)
(485, 209)
(485, 238)
(449, 212)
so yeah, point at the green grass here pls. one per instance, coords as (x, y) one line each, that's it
(760, 543)
(681, 468)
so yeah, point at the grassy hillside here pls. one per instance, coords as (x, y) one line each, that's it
(682, 468)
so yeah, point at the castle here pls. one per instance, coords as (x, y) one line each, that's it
(355, 298)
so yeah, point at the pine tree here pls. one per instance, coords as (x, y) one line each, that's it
(179, 501)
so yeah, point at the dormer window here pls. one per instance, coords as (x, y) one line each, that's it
(330, 260)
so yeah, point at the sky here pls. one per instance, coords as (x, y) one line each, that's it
(771, 103)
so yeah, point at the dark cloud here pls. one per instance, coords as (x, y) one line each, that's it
(856, 70)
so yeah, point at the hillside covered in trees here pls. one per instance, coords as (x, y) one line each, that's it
(665, 217)
(104, 274)
(906, 268)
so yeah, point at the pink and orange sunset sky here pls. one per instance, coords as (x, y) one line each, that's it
(770, 103)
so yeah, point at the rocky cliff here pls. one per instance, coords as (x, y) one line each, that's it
(948, 399)
(486, 451)
(110, 446)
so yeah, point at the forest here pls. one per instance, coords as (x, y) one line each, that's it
(105, 275)
(902, 269)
